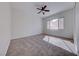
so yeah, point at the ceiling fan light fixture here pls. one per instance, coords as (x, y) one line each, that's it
(43, 10)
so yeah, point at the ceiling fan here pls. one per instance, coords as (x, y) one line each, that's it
(43, 9)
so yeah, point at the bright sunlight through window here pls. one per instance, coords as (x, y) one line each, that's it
(55, 24)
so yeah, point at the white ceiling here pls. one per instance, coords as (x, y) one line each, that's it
(54, 7)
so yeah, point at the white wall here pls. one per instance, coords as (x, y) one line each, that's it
(5, 19)
(68, 24)
(25, 21)
(76, 31)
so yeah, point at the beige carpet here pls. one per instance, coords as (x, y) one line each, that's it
(35, 46)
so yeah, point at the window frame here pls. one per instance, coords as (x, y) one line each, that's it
(48, 24)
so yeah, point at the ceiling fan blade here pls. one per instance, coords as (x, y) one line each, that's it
(44, 7)
(38, 8)
(47, 10)
(39, 12)
(43, 13)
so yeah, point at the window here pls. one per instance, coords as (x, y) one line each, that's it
(55, 24)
